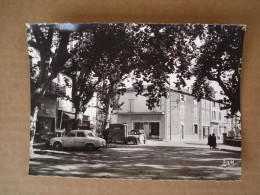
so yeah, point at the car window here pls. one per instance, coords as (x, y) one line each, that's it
(90, 134)
(71, 134)
(80, 134)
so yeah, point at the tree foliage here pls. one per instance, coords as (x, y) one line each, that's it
(48, 54)
(219, 60)
(146, 53)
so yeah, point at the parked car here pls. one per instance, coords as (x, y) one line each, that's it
(78, 139)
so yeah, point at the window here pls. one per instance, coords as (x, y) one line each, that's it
(42, 106)
(195, 102)
(207, 117)
(138, 125)
(213, 115)
(203, 116)
(80, 134)
(90, 134)
(219, 116)
(71, 134)
(203, 103)
(131, 105)
(207, 103)
(195, 127)
(182, 115)
(195, 114)
(182, 98)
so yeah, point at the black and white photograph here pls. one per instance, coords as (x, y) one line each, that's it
(135, 100)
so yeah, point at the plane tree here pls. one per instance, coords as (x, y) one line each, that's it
(47, 55)
(204, 53)
(219, 60)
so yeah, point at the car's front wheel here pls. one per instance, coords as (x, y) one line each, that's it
(89, 147)
(57, 146)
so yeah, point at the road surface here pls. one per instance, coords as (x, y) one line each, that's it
(149, 161)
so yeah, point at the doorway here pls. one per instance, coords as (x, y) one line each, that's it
(155, 128)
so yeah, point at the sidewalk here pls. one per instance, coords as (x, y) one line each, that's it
(195, 144)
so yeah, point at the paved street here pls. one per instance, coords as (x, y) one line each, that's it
(155, 160)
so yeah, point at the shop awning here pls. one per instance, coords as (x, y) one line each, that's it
(68, 115)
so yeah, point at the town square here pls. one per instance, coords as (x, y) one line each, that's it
(135, 101)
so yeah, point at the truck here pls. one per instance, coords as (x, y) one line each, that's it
(119, 133)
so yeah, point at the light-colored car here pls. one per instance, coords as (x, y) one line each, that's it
(78, 139)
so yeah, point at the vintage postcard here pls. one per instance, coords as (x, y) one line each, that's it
(135, 101)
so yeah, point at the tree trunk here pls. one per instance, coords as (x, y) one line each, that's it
(34, 113)
(76, 124)
(106, 116)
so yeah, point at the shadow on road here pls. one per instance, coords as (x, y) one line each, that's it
(138, 162)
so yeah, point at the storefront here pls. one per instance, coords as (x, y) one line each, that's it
(152, 123)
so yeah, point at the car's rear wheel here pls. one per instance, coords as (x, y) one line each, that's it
(89, 147)
(57, 146)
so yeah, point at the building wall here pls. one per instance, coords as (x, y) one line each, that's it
(180, 116)
(134, 110)
(134, 103)
(146, 119)
(64, 104)
(48, 107)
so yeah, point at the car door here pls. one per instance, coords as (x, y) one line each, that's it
(69, 140)
(80, 140)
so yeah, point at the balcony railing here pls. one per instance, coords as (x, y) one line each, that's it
(56, 89)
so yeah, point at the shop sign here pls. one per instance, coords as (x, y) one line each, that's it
(146, 118)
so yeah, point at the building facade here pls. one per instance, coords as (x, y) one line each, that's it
(179, 117)
(47, 115)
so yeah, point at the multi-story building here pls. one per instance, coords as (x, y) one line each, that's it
(65, 109)
(57, 112)
(178, 117)
(47, 115)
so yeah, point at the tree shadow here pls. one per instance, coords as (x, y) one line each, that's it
(138, 162)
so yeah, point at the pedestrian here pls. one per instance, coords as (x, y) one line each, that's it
(210, 141)
(214, 141)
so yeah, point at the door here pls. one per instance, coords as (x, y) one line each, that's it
(69, 140)
(80, 140)
(154, 129)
